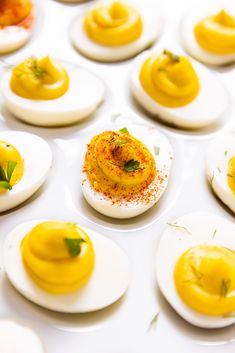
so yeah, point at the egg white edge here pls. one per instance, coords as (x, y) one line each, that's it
(68, 303)
(180, 116)
(27, 186)
(204, 228)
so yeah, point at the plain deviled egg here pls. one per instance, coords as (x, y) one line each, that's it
(178, 91)
(195, 267)
(17, 338)
(25, 160)
(126, 171)
(64, 267)
(115, 30)
(17, 19)
(208, 33)
(45, 92)
(220, 167)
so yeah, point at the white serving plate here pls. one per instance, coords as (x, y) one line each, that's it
(124, 326)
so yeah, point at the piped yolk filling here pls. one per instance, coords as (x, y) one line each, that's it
(169, 80)
(39, 79)
(113, 24)
(216, 34)
(117, 164)
(13, 12)
(11, 166)
(51, 264)
(205, 279)
(231, 174)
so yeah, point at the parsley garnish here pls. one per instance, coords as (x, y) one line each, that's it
(173, 57)
(124, 131)
(131, 166)
(5, 176)
(74, 245)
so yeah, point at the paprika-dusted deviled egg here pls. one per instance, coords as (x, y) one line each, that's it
(17, 338)
(115, 30)
(64, 267)
(195, 267)
(17, 19)
(178, 91)
(220, 167)
(126, 171)
(25, 160)
(208, 33)
(45, 92)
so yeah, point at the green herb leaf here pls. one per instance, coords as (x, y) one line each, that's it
(214, 234)
(74, 245)
(224, 287)
(37, 71)
(124, 131)
(153, 322)
(121, 142)
(156, 150)
(5, 185)
(198, 274)
(173, 57)
(131, 166)
(178, 227)
(3, 176)
(225, 153)
(10, 169)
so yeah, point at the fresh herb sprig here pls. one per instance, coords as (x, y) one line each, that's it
(172, 56)
(131, 166)
(153, 322)
(5, 175)
(74, 245)
(36, 71)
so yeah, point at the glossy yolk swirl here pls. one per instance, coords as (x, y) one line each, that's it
(205, 279)
(106, 164)
(13, 12)
(113, 24)
(8, 155)
(216, 34)
(231, 174)
(170, 80)
(49, 262)
(39, 79)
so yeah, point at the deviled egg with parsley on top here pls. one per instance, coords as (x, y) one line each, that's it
(175, 90)
(126, 171)
(46, 92)
(115, 30)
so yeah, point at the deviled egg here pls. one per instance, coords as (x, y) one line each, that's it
(16, 338)
(195, 267)
(208, 33)
(178, 91)
(16, 23)
(25, 160)
(46, 93)
(220, 167)
(115, 30)
(65, 267)
(126, 171)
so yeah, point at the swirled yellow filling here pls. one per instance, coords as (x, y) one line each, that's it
(205, 279)
(117, 164)
(39, 79)
(13, 12)
(231, 174)
(169, 79)
(113, 24)
(11, 166)
(58, 256)
(216, 34)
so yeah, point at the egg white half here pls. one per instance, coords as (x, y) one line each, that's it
(121, 208)
(37, 157)
(220, 151)
(191, 229)
(209, 105)
(84, 95)
(16, 338)
(14, 37)
(189, 41)
(108, 282)
(152, 27)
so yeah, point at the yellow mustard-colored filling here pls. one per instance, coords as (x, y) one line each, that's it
(216, 34)
(13, 12)
(117, 164)
(231, 174)
(205, 279)
(113, 24)
(11, 166)
(51, 263)
(169, 79)
(39, 79)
